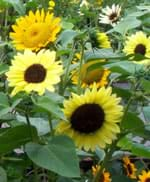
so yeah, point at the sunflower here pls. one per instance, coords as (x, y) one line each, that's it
(99, 39)
(89, 77)
(129, 167)
(110, 15)
(34, 72)
(35, 31)
(91, 118)
(144, 177)
(105, 175)
(137, 43)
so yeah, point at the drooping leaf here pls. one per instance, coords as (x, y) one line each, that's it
(58, 156)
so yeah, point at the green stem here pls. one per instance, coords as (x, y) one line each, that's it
(65, 80)
(33, 139)
(50, 125)
(80, 66)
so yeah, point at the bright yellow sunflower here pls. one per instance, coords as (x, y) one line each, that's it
(129, 167)
(144, 177)
(35, 31)
(91, 118)
(138, 43)
(105, 175)
(89, 77)
(34, 72)
(99, 39)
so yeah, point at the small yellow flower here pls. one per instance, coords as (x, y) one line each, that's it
(144, 177)
(51, 5)
(129, 167)
(105, 175)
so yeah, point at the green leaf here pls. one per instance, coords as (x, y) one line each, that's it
(15, 137)
(125, 143)
(100, 153)
(141, 150)
(132, 123)
(66, 25)
(3, 175)
(124, 67)
(146, 111)
(66, 37)
(3, 68)
(146, 85)
(58, 156)
(124, 93)
(127, 24)
(41, 124)
(63, 179)
(47, 103)
(17, 5)
(101, 54)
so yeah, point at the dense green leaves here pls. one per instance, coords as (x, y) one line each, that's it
(58, 155)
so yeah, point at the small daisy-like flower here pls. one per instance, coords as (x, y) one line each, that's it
(110, 15)
(35, 30)
(34, 72)
(129, 167)
(98, 76)
(144, 177)
(137, 43)
(99, 39)
(91, 118)
(105, 175)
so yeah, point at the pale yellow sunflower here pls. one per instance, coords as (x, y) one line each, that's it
(99, 39)
(129, 167)
(35, 30)
(137, 43)
(34, 72)
(105, 175)
(92, 118)
(91, 76)
(144, 177)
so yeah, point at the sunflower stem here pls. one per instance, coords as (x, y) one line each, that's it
(80, 66)
(33, 139)
(65, 80)
(50, 124)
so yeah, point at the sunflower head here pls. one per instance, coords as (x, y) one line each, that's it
(99, 39)
(105, 177)
(144, 177)
(34, 72)
(91, 118)
(35, 30)
(98, 76)
(129, 167)
(137, 44)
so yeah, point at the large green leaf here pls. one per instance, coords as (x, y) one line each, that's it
(141, 150)
(146, 85)
(48, 104)
(127, 24)
(101, 54)
(58, 156)
(132, 123)
(3, 175)
(15, 137)
(121, 178)
(3, 68)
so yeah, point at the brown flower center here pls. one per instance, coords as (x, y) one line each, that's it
(129, 169)
(140, 49)
(113, 16)
(87, 118)
(147, 180)
(36, 73)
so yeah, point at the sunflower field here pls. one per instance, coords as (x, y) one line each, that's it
(74, 91)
